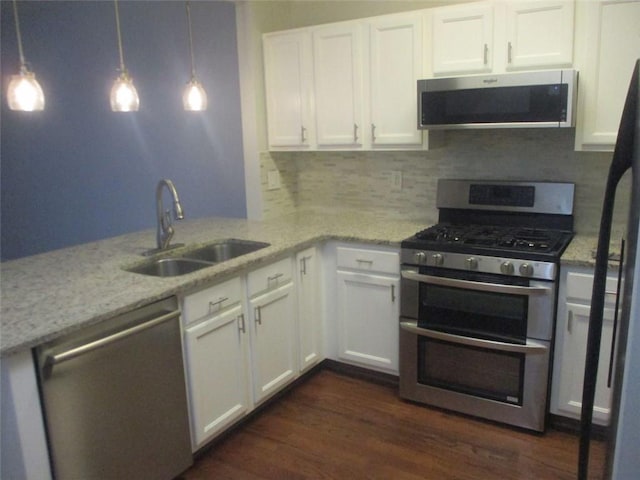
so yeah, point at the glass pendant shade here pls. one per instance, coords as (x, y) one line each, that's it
(124, 96)
(24, 93)
(194, 97)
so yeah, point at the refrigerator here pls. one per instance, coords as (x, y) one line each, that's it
(623, 435)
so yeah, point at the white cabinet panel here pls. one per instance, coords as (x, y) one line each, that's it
(309, 308)
(539, 33)
(368, 310)
(396, 47)
(574, 347)
(288, 80)
(337, 64)
(499, 36)
(609, 39)
(217, 353)
(274, 342)
(463, 39)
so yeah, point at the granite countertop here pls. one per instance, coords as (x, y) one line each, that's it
(581, 251)
(51, 294)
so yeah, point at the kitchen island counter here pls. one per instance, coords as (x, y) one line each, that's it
(51, 294)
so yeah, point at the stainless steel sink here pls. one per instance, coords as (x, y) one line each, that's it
(224, 250)
(169, 267)
(191, 260)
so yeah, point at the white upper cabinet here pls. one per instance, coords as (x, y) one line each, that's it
(462, 40)
(539, 34)
(608, 43)
(496, 37)
(345, 86)
(288, 80)
(396, 53)
(337, 62)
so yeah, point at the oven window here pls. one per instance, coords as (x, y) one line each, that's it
(471, 313)
(475, 371)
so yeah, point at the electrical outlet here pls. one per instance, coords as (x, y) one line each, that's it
(396, 180)
(273, 180)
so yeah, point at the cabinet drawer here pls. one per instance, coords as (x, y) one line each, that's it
(368, 260)
(211, 300)
(580, 285)
(269, 277)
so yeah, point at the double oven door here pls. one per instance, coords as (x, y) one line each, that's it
(477, 343)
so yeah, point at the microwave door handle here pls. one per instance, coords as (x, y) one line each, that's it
(530, 347)
(479, 286)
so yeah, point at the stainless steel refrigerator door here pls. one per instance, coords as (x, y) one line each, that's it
(119, 411)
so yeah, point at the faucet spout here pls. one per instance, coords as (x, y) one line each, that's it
(165, 229)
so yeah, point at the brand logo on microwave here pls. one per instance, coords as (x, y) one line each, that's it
(490, 80)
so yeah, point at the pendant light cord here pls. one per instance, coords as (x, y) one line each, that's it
(23, 64)
(122, 67)
(193, 64)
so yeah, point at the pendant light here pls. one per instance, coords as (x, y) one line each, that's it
(194, 97)
(124, 96)
(24, 92)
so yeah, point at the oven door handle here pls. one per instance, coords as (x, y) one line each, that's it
(530, 347)
(470, 285)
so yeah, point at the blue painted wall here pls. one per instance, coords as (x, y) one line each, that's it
(78, 172)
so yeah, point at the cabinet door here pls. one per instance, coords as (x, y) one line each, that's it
(309, 318)
(288, 82)
(610, 32)
(539, 33)
(574, 347)
(396, 65)
(462, 39)
(274, 340)
(217, 355)
(338, 85)
(368, 320)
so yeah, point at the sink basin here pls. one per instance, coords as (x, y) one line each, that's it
(223, 250)
(188, 261)
(169, 267)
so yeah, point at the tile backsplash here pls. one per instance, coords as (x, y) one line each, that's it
(332, 181)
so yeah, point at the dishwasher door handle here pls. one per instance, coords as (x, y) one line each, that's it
(51, 360)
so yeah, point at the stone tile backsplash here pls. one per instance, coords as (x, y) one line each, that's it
(335, 181)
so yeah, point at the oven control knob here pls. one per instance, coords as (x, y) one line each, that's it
(438, 259)
(472, 263)
(526, 270)
(419, 258)
(507, 268)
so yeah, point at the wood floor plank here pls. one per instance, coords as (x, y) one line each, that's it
(333, 426)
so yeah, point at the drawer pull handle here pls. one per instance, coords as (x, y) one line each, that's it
(241, 325)
(218, 304)
(486, 53)
(257, 315)
(509, 54)
(393, 293)
(274, 277)
(368, 262)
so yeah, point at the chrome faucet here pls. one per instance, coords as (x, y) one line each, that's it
(165, 228)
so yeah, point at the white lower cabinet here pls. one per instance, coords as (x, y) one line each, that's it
(309, 308)
(368, 283)
(272, 320)
(217, 351)
(571, 345)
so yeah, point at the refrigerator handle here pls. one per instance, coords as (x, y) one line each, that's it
(614, 334)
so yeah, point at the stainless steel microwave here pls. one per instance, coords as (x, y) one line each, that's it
(531, 99)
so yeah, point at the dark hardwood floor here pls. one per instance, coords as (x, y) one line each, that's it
(333, 426)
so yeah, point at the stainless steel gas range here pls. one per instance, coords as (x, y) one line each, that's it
(478, 299)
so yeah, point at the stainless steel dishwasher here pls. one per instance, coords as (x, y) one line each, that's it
(114, 398)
